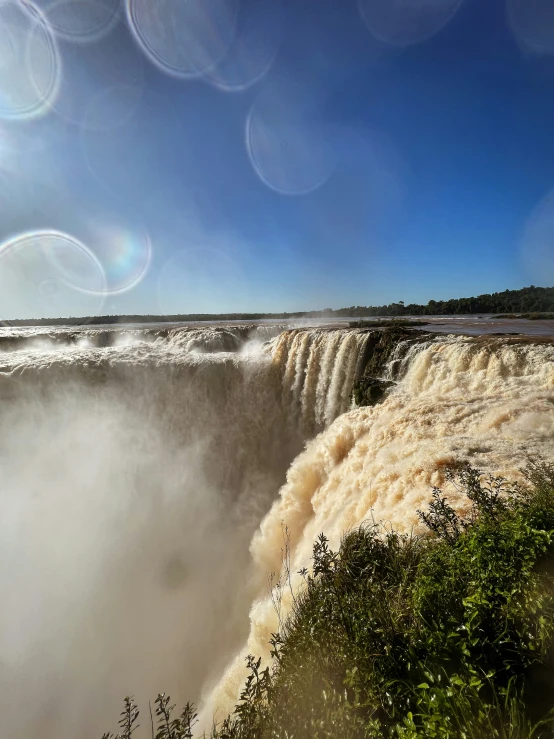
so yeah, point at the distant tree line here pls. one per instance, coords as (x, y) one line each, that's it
(527, 300)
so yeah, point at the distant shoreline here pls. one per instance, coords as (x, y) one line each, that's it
(371, 322)
(531, 303)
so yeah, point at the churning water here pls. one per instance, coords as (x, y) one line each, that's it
(146, 475)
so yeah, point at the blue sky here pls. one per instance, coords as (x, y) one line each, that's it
(265, 156)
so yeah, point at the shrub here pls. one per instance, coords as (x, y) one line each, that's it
(408, 637)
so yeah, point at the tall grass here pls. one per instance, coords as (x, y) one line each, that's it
(397, 636)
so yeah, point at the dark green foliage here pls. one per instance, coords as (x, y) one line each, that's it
(442, 519)
(487, 498)
(532, 300)
(173, 728)
(127, 722)
(167, 727)
(449, 635)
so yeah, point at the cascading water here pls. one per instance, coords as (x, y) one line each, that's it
(318, 368)
(488, 401)
(137, 465)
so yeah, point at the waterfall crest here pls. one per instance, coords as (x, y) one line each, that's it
(489, 402)
(147, 474)
(318, 368)
(136, 465)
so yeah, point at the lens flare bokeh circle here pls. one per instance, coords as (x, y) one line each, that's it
(532, 23)
(108, 65)
(80, 21)
(406, 22)
(30, 66)
(49, 273)
(288, 142)
(537, 245)
(254, 48)
(183, 39)
(124, 253)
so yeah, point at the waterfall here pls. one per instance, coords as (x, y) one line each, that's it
(136, 465)
(318, 368)
(147, 472)
(487, 401)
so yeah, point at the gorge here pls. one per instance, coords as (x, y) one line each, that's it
(148, 474)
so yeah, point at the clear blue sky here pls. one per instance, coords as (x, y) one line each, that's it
(265, 156)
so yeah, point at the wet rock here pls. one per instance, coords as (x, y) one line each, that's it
(370, 390)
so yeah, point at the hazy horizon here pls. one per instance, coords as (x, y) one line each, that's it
(329, 312)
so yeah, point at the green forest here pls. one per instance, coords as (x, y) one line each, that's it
(528, 300)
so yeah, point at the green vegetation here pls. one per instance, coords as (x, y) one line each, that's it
(531, 299)
(180, 727)
(449, 635)
(527, 300)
